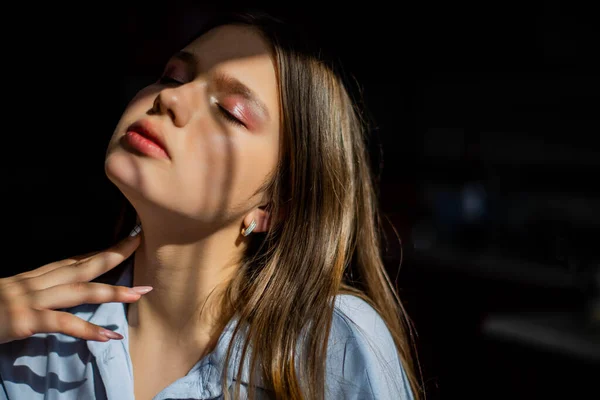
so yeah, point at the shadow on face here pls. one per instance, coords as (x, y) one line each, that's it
(194, 149)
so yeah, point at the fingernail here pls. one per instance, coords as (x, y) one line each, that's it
(140, 289)
(136, 230)
(110, 334)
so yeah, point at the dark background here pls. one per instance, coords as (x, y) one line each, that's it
(488, 119)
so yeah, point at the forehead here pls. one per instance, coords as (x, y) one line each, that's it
(228, 43)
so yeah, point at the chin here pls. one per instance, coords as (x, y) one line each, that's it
(136, 180)
(130, 175)
(121, 168)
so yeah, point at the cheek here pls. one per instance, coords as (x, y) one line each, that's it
(139, 105)
(206, 172)
(145, 96)
(136, 108)
(255, 160)
(220, 160)
(226, 170)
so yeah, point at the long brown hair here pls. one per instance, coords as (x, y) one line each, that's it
(324, 238)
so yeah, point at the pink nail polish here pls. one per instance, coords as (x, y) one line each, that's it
(110, 334)
(141, 289)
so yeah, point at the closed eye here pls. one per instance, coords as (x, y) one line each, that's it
(167, 80)
(228, 116)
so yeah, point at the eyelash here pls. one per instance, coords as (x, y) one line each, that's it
(228, 116)
(165, 80)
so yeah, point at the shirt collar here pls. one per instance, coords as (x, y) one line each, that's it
(206, 373)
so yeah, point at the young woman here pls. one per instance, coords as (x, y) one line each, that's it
(254, 269)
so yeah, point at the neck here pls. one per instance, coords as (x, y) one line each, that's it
(188, 279)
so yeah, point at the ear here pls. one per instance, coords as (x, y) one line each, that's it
(262, 219)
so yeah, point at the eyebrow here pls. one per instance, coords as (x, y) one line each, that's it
(226, 82)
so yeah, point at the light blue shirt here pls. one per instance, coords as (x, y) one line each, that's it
(362, 361)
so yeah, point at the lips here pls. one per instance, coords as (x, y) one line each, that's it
(145, 129)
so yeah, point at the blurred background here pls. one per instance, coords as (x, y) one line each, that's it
(488, 117)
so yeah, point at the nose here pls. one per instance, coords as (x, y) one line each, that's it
(171, 101)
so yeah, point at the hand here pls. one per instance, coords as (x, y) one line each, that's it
(27, 300)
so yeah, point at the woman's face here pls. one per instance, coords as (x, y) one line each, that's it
(216, 113)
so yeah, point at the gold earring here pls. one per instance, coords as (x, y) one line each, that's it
(249, 229)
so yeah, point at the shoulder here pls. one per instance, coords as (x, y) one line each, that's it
(362, 360)
(31, 367)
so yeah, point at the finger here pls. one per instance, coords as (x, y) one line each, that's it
(74, 294)
(48, 267)
(52, 266)
(107, 260)
(87, 269)
(81, 257)
(47, 321)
